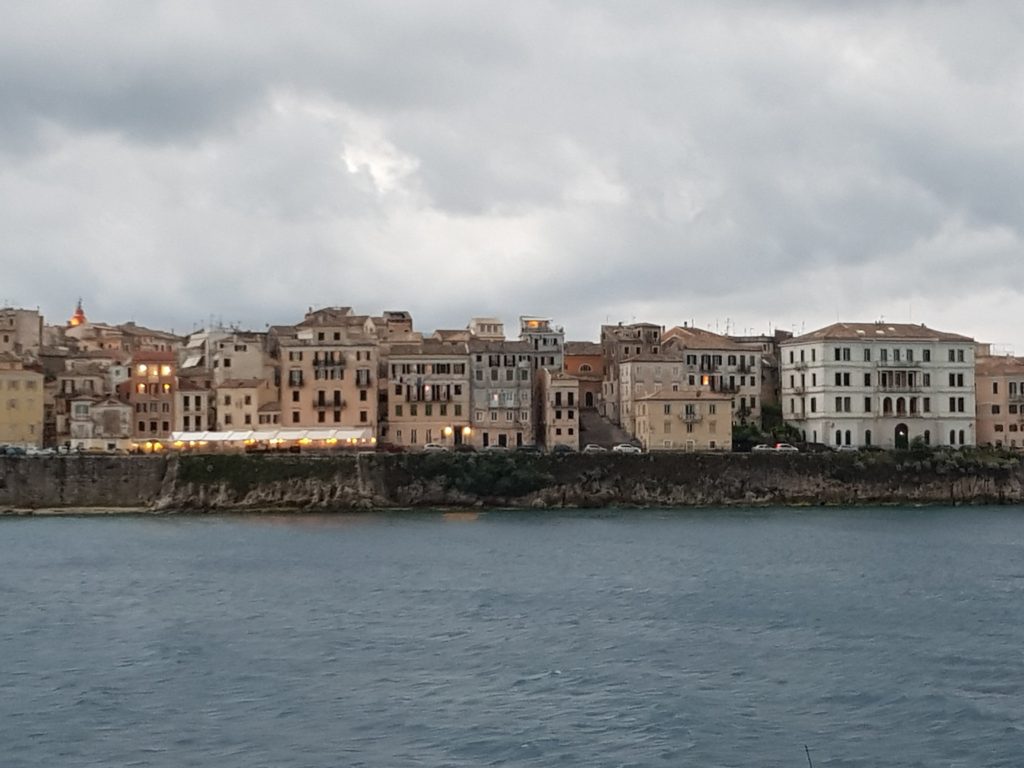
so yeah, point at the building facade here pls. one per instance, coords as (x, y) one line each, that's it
(692, 420)
(558, 401)
(880, 384)
(151, 393)
(546, 340)
(502, 378)
(999, 390)
(21, 402)
(583, 359)
(429, 397)
(618, 343)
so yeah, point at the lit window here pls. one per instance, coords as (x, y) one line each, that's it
(165, 370)
(142, 368)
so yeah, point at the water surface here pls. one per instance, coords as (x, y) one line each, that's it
(606, 638)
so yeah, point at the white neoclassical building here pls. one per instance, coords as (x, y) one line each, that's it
(879, 384)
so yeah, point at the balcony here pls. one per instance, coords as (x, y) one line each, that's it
(800, 365)
(1016, 398)
(900, 388)
(329, 404)
(799, 389)
(691, 418)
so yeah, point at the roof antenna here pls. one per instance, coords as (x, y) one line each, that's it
(808, 752)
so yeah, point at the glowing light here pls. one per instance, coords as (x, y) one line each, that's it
(179, 443)
(165, 370)
(142, 368)
(467, 431)
(447, 431)
(305, 441)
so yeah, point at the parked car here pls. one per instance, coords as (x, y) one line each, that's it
(496, 449)
(786, 448)
(627, 448)
(762, 448)
(848, 448)
(527, 449)
(13, 450)
(562, 448)
(40, 452)
(435, 448)
(594, 448)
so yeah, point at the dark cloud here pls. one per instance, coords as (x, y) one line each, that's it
(718, 162)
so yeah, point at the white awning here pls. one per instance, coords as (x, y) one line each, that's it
(287, 435)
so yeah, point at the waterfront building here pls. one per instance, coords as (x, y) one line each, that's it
(622, 342)
(99, 423)
(583, 360)
(21, 402)
(227, 354)
(151, 393)
(502, 381)
(326, 369)
(194, 402)
(238, 403)
(722, 365)
(999, 387)
(558, 397)
(429, 394)
(880, 384)
(771, 370)
(685, 420)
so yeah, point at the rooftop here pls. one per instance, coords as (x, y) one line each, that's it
(877, 330)
(689, 337)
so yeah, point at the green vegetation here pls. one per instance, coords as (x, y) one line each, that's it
(481, 474)
(242, 472)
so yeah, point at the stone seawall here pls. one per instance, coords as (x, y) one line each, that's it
(59, 482)
(380, 481)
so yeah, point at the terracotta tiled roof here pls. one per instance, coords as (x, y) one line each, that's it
(698, 338)
(582, 348)
(865, 331)
(999, 366)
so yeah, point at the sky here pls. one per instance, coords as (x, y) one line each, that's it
(742, 166)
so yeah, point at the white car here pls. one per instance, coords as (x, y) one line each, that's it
(763, 448)
(435, 448)
(786, 448)
(594, 448)
(627, 448)
(847, 448)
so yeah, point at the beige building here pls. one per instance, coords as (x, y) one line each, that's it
(558, 406)
(239, 402)
(429, 394)
(685, 421)
(99, 424)
(21, 331)
(227, 354)
(722, 365)
(326, 368)
(999, 386)
(649, 374)
(21, 402)
(502, 393)
(194, 404)
(619, 343)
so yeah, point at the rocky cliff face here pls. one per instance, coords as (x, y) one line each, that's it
(374, 481)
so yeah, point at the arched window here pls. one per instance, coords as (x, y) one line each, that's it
(952, 437)
(961, 437)
(901, 406)
(867, 437)
(887, 405)
(839, 437)
(848, 436)
(585, 368)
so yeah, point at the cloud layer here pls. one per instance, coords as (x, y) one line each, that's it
(782, 165)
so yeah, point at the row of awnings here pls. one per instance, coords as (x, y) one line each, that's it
(276, 436)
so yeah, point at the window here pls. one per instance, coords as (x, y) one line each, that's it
(248, 399)
(227, 399)
(867, 355)
(814, 405)
(867, 379)
(668, 409)
(926, 355)
(295, 417)
(364, 416)
(995, 410)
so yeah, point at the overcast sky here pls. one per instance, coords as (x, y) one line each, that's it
(768, 165)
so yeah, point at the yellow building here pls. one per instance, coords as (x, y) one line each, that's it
(239, 402)
(21, 403)
(685, 421)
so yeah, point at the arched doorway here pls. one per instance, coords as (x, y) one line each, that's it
(902, 437)
(589, 400)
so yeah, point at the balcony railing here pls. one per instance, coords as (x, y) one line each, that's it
(690, 418)
(900, 388)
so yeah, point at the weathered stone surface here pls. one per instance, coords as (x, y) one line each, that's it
(375, 481)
